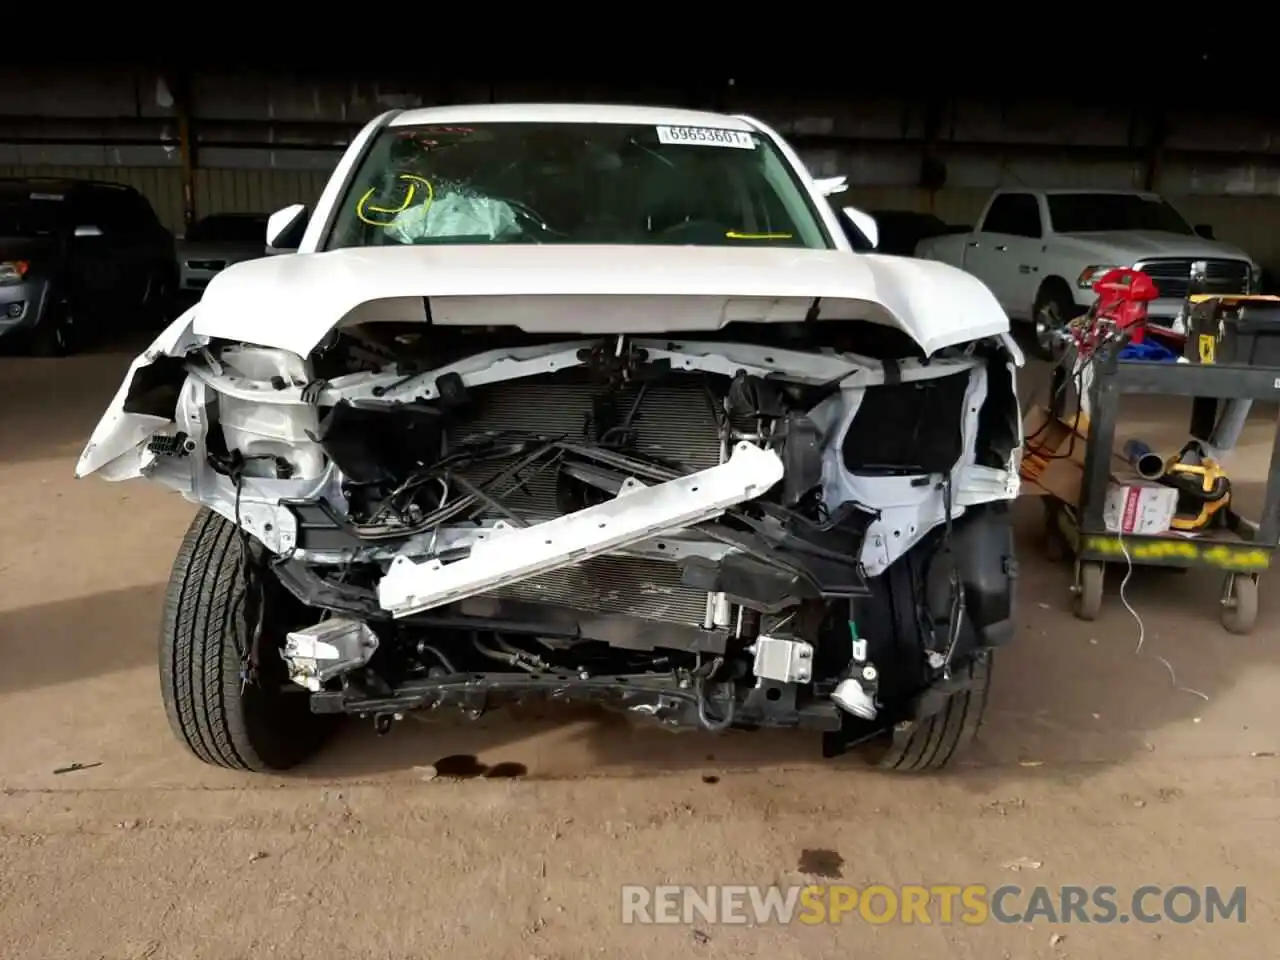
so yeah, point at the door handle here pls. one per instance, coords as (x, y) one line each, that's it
(972, 243)
(1001, 247)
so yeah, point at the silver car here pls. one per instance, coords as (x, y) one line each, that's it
(215, 242)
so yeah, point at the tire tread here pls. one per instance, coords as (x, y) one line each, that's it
(934, 742)
(203, 628)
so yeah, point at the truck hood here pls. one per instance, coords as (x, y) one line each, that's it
(293, 301)
(1122, 247)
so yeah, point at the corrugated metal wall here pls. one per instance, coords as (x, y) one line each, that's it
(264, 141)
(217, 191)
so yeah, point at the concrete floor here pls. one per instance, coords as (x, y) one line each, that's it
(1091, 764)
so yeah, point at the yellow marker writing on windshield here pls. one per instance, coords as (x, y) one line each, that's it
(363, 205)
(735, 235)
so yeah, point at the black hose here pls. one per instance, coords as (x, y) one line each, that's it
(445, 662)
(704, 718)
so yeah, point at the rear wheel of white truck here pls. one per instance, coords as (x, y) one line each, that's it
(210, 610)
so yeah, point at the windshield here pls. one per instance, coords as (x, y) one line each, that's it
(229, 228)
(575, 183)
(1101, 212)
(28, 218)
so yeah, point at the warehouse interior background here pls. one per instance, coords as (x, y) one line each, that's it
(197, 141)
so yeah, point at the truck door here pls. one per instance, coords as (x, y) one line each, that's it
(130, 244)
(1005, 252)
(94, 260)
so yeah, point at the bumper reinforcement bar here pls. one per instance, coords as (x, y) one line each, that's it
(511, 555)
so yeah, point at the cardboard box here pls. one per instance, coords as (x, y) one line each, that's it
(1139, 506)
(1053, 453)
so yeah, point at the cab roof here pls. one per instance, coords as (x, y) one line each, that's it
(568, 113)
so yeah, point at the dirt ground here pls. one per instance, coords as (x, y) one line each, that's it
(1091, 765)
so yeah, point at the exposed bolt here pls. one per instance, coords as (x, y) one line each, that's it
(869, 672)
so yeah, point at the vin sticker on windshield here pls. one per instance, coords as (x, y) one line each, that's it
(707, 137)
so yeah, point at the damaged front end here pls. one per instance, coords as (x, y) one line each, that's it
(730, 532)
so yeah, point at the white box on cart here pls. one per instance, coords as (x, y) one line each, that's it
(1139, 506)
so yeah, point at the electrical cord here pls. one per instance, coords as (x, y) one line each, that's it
(1076, 378)
(1142, 630)
(1062, 363)
(956, 614)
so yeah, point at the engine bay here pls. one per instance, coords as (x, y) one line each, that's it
(689, 530)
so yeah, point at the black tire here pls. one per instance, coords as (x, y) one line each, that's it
(265, 725)
(934, 742)
(160, 296)
(56, 334)
(1054, 308)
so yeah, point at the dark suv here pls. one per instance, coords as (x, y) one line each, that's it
(76, 255)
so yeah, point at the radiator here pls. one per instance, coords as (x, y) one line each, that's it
(674, 422)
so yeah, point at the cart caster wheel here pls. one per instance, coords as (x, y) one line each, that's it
(1240, 602)
(1088, 590)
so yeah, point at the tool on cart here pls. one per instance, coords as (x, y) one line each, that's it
(1204, 489)
(1118, 315)
(1146, 462)
(1235, 329)
(1228, 329)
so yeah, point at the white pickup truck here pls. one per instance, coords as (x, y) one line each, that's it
(1039, 250)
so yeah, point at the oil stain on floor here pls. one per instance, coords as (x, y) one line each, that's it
(465, 766)
(821, 863)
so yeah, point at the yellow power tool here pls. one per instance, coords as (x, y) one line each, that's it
(1204, 489)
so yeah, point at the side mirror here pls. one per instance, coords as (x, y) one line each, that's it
(1204, 230)
(88, 230)
(829, 186)
(865, 224)
(285, 228)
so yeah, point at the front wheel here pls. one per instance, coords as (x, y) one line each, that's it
(931, 744)
(159, 295)
(1052, 311)
(56, 335)
(266, 724)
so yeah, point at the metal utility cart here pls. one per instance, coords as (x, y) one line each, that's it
(1240, 551)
